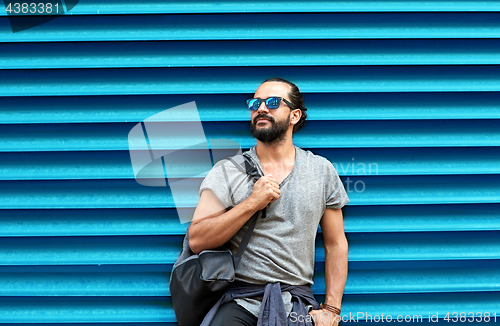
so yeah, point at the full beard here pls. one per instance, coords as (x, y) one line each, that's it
(273, 134)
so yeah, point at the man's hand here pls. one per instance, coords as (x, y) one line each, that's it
(265, 191)
(323, 317)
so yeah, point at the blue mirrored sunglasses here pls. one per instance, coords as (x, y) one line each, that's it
(271, 103)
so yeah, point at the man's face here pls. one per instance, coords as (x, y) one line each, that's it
(270, 126)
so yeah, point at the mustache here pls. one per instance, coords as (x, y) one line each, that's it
(260, 116)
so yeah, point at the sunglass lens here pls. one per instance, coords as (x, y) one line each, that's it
(273, 102)
(253, 104)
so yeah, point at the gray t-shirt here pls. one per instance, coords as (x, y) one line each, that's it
(282, 245)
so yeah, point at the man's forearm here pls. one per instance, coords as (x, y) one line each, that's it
(214, 231)
(335, 272)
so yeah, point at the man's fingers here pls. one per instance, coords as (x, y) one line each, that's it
(271, 184)
(267, 189)
(269, 177)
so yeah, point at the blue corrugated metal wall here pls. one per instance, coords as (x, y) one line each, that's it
(402, 97)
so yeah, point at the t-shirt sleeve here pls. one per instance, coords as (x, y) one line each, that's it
(336, 196)
(216, 181)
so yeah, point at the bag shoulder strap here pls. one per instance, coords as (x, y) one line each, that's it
(253, 172)
(245, 240)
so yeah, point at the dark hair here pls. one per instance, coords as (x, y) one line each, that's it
(296, 99)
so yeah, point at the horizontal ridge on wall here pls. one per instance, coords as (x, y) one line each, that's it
(148, 284)
(373, 247)
(255, 26)
(138, 81)
(316, 134)
(161, 221)
(117, 7)
(90, 165)
(231, 107)
(362, 190)
(64, 309)
(50, 55)
(155, 309)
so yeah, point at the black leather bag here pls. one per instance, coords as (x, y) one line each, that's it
(198, 281)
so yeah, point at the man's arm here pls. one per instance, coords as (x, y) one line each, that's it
(213, 226)
(332, 226)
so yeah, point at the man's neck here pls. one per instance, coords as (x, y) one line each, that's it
(277, 160)
(276, 153)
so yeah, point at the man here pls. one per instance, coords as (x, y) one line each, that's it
(300, 191)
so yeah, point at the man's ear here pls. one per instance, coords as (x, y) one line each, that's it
(296, 115)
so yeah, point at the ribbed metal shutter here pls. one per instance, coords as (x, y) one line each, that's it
(402, 97)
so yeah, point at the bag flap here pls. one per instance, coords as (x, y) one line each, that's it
(216, 265)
